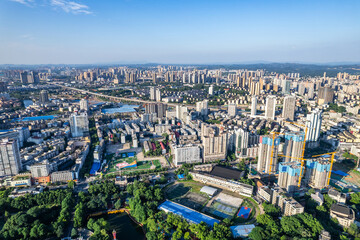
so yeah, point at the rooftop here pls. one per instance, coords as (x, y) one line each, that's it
(225, 172)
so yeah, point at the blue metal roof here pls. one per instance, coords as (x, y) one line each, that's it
(187, 213)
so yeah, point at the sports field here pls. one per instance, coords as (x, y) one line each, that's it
(130, 158)
(222, 210)
(187, 194)
(192, 200)
(115, 160)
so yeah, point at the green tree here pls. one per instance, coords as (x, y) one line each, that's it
(355, 198)
(258, 233)
(79, 215)
(117, 204)
(74, 232)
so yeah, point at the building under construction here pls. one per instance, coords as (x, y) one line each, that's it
(318, 172)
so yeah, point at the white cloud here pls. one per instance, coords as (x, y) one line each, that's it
(70, 6)
(24, 2)
(65, 5)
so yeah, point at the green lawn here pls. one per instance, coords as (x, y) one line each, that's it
(157, 163)
(144, 165)
(195, 186)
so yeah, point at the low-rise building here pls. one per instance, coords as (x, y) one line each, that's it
(224, 178)
(337, 196)
(344, 214)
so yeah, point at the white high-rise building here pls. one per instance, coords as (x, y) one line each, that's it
(84, 105)
(289, 108)
(153, 93)
(157, 95)
(232, 109)
(203, 107)
(253, 105)
(211, 90)
(242, 142)
(79, 125)
(181, 112)
(186, 154)
(313, 124)
(10, 162)
(270, 107)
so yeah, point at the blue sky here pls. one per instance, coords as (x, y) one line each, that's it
(182, 31)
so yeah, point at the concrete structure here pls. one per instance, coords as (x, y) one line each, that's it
(286, 84)
(324, 235)
(288, 111)
(337, 196)
(84, 105)
(232, 109)
(289, 173)
(313, 124)
(267, 159)
(62, 176)
(293, 146)
(10, 162)
(317, 172)
(155, 94)
(221, 182)
(270, 107)
(211, 90)
(40, 170)
(159, 109)
(203, 107)
(214, 146)
(288, 205)
(181, 112)
(186, 154)
(253, 105)
(44, 96)
(344, 214)
(242, 142)
(79, 125)
(326, 95)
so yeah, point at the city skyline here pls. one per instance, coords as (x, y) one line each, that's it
(211, 32)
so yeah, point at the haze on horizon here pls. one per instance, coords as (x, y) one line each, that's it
(178, 32)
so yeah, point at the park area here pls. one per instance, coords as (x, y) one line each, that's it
(128, 161)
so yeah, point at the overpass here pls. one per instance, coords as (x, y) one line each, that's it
(112, 98)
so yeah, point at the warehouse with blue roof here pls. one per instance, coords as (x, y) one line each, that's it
(188, 214)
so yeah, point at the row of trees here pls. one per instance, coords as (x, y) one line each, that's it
(29, 200)
(171, 225)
